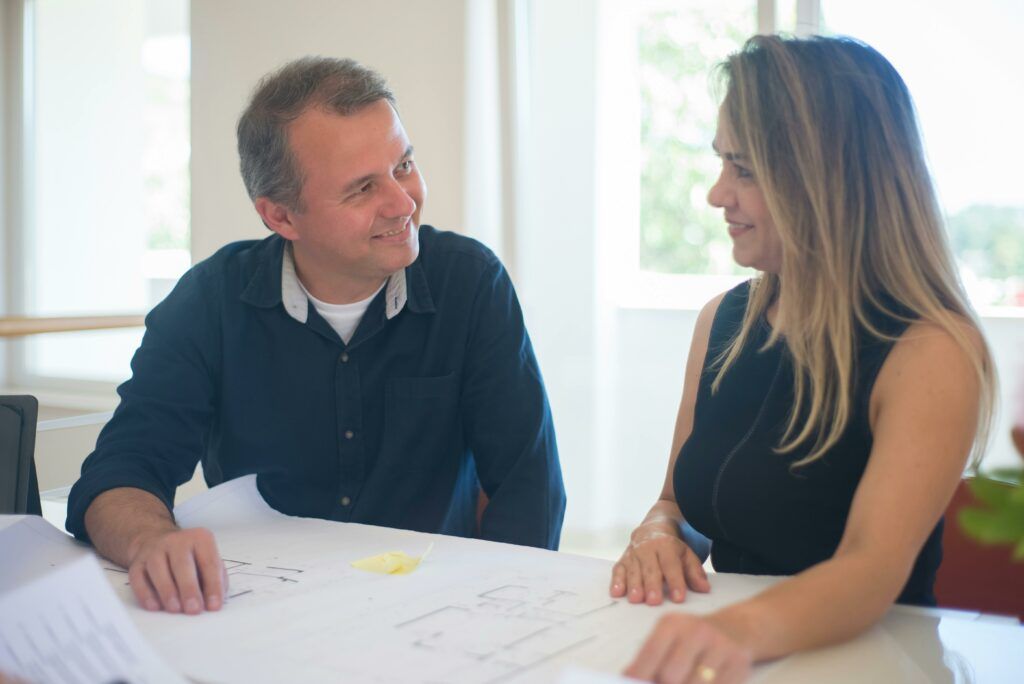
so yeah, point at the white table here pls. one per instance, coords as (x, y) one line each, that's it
(478, 611)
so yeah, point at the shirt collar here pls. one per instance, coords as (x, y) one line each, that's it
(292, 294)
(415, 280)
(275, 281)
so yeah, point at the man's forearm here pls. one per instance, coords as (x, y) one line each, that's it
(119, 520)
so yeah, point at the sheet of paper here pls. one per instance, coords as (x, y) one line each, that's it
(234, 503)
(31, 547)
(68, 626)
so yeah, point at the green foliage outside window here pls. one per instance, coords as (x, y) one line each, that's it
(989, 244)
(679, 232)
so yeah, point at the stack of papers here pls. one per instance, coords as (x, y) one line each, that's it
(60, 620)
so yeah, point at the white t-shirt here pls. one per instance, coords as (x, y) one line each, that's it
(344, 318)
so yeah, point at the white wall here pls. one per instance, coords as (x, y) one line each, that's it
(418, 46)
(1005, 334)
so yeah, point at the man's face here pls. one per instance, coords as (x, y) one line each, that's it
(360, 202)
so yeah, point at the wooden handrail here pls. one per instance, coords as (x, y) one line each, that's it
(17, 326)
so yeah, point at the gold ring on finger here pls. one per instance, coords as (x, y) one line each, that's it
(706, 673)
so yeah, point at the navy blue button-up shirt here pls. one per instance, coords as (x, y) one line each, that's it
(401, 427)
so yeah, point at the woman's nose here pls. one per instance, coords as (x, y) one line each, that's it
(720, 195)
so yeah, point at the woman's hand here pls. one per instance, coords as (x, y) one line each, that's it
(691, 649)
(656, 557)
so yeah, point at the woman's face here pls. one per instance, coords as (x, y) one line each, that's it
(755, 241)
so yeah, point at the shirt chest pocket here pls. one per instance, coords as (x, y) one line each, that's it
(422, 429)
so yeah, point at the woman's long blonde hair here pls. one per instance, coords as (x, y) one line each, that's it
(830, 131)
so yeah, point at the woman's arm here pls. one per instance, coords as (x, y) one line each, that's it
(923, 412)
(656, 554)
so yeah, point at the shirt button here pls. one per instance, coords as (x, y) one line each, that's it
(345, 501)
(344, 357)
(349, 434)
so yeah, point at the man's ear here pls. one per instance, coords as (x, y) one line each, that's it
(277, 217)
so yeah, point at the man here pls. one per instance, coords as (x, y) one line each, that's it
(367, 368)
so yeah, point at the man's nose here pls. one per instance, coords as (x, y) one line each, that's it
(398, 202)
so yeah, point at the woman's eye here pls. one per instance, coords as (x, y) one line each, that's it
(406, 166)
(743, 173)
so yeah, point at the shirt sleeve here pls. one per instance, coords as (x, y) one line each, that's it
(158, 431)
(508, 422)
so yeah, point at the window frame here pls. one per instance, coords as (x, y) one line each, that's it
(16, 85)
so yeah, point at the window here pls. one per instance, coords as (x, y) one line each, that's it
(104, 191)
(962, 72)
(677, 252)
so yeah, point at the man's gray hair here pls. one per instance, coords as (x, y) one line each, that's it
(342, 86)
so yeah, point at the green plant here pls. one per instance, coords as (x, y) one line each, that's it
(1000, 518)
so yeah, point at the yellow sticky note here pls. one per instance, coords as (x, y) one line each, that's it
(391, 563)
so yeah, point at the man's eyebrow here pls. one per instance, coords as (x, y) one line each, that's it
(362, 180)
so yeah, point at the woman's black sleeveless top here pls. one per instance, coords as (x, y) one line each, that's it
(762, 517)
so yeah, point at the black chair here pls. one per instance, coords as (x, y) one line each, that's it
(19, 488)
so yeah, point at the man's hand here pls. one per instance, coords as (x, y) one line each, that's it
(178, 571)
(169, 568)
(656, 557)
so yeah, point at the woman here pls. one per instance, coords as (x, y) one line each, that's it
(830, 404)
